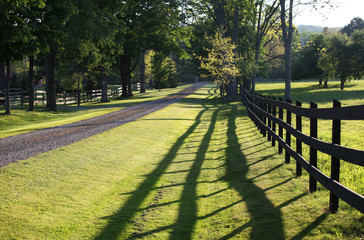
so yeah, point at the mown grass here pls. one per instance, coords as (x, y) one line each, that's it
(193, 170)
(352, 132)
(22, 121)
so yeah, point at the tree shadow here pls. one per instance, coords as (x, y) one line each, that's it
(187, 214)
(118, 221)
(265, 219)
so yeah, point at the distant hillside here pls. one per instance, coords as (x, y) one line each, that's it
(315, 29)
(310, 29)
(306, 30)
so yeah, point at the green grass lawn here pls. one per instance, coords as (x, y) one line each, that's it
(193, 170)
(22, 121)
(352, 132)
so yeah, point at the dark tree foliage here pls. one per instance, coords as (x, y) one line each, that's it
(355, 24)
(305, 61)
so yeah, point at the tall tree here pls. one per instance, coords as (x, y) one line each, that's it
(265, 18)
(142, 72)
(220, 64)
(147, 25)
(55, 17)
(14, 34)
(287, 32)
(356, 23)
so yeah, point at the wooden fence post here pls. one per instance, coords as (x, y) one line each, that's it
(260, 115)
(254, 111)
(288, 135)
(264, 108)
(335, 163)
(298, 143)
(274, 123)
(280, 128)
(313, 151)
(269, 121)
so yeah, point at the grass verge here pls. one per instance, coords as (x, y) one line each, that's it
(22, 121)
(193, 170)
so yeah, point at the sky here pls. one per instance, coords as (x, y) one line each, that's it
(339, 16)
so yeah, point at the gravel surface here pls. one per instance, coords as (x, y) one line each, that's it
(26, 145)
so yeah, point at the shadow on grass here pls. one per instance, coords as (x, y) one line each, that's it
(265, 219)
(187, 214)
(310, 227)
(122, 218)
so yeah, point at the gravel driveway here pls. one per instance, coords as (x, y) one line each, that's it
(26, 145)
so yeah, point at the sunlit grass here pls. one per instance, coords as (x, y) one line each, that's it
(193, 170)
(352, 132)
(21, 121)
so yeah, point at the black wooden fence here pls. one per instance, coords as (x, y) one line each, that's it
(18, 96)
(263, 111)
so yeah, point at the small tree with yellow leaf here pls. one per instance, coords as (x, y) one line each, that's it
(220, 64)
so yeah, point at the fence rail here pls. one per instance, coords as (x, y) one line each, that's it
(18, 96)
(263, 111)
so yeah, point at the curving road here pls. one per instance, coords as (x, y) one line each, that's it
(26, 145)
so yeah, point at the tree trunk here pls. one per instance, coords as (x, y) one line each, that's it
(142, 72)
(51, 84)
(219, 9)
(125, 63)
(325, 83)
(7, 93)
(30, 84)
(130, 89)
(232, 87)
(287, 33)
(247, 84)
(287, 92)
(342, 84)
(104, 96)
(2, 77)
(78, 87)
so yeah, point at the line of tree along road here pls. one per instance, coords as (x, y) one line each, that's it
(82, 45)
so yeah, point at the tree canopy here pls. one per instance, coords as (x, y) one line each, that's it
(85, 43)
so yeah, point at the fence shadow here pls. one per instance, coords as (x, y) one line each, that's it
(119, 220)
(183, 228)
(265, 219)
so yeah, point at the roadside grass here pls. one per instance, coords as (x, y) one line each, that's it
(352, 132)
(22, 121)
(193, 170)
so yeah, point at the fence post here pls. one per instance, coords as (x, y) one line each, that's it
(264, 108)
(274, 123)
(256, 103)
(298, 143)
(280, 129)
(269, 121)
(260, 115)
(313, 151)
(288, 135)
(335, 163)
